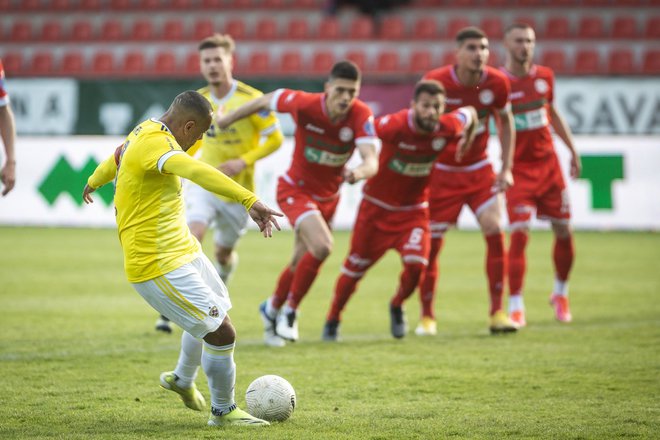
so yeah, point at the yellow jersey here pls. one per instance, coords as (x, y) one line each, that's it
(242, 138)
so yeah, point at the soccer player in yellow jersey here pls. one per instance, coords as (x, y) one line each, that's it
(162, 259)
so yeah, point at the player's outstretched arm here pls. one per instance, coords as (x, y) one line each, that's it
(368, 167)
(564, 132)
(247, 109)
(104, 173)
(469, 132)
(507, 137)
(8, 134)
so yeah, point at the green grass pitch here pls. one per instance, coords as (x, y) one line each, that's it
(79, 358)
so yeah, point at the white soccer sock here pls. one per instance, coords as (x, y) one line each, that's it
(190, 358)
(561, 287)
(271, 311)
(516, 303)
(218, 364)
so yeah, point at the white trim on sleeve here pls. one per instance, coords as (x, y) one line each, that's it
(164, 157)
(276, 97)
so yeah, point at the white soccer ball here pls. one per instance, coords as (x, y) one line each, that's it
(270, 398)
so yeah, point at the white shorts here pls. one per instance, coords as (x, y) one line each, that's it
(230, 219)
(193, 296)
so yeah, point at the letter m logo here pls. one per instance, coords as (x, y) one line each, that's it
(63, 178)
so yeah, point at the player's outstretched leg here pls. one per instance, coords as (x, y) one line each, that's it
(190, 396)
(234, 417)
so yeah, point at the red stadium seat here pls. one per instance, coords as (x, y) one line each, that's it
(103, 63)
(455, 25)
(13, 63)
(425, 28)
(556, 60)
(240, 4)
(236, 28)
(61, 5)
(203, 28)
(120, 4)
(653, 28)
(72, 64)
(591, 27)
(82, 31)
(29, 5)
(112, 30)
(621, 62)
(306, 4)
(392, 28)
(165, 63)
(322, 62)
(51, 31)
(142, 30)
(420, 62)
(387, 62)
(21, 31)
(359, 57)
(259, 63)
(557, 28)
(42, 64)
(266, 29)
(329, 29)
(624, 27)
(291, 63)
(587, 62)
(212, 4)
(181, 5)
(361, 28)
(448, 58)
(651, 63)
(89, 5)
(150, 5)
(493, 27)
(172, 30)
(192, 63)
(272, 4)
(298, 29)
(134, 63)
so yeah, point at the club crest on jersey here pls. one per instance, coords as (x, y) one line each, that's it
(438, 144)
(486, 97)
(541, 85)
(345, 134)
(214, 313)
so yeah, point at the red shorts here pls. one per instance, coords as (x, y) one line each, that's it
(297, 204)
(378, 229)
(540, 186)
(450, 190)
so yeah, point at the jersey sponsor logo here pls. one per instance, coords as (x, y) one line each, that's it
(410, 169)
(326, 158)
(438, 144)
(541, 86)
(517, 95)
(405, 146)
(531, 120)
(486, 97)
(346, 134)
(369, 126)
(454, 101)
(314, 128)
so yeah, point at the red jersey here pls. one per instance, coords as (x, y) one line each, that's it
(531, 98)
(407, 157)
(4, 97)
(322, 148)
(489, 96)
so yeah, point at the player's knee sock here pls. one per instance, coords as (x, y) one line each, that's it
(305, 274)
(220, 369)
(282, 289)
(343, 290)
(429, 278)
(408, 280)
(495, 266)
(190, 358)
(517, 261)
(563, 256)
(227, 270)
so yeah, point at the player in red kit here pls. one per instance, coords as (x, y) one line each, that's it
(394, 210)
(539, 181)
(329, 127)
(472, 181)
(8, 135)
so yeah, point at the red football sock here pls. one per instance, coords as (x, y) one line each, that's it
(495, 265)
(303, 277)
(517, 261)
(429, 278)
(343, 291)
(282, 288)
(563, 255)
(408, 281)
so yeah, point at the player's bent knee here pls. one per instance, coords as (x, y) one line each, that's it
(223, 335)
(321, 251)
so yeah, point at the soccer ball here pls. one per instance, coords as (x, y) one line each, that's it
(270, 398)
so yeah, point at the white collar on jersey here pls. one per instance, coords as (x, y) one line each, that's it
(219, 101)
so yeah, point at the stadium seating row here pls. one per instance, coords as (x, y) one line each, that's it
(261, 63)
(360, 28)
(149, 5)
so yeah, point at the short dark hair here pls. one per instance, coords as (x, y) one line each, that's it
(345, 70)
(193, 103)
(517, 25)
(469, 32)
(218, 40)
(430, 86)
